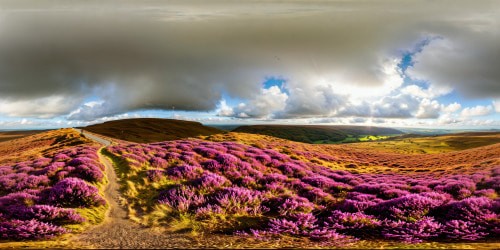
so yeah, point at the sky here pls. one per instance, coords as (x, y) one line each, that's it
(408, 63)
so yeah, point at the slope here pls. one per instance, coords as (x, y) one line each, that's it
(320, 133)
(146, 130)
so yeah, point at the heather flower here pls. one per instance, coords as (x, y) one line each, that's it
(324, 235)
(90, 173)
(393, 193)
(45, 213)
(419, 189)
(42, 162)
(489, 193)
(227, 160)
(61, 175)
(237, 200)
(317, 196)
(134, 157)
(31, 229)
(457, 188)
(463, 230)
(52, 169)
(208, 211)
(290, 169)
(73, 192)
(295, 204)
(5, 170)
(158, 162)
(61, 157)
(18, 199)
(263, 158)
(274, 177)
(172, 156)
(210, 181)
(357, 224)
(154, 175)
(411, 207)
(181, 198)
(246, 181)
(25, 169)
(413, 232)
(296, 225)
(493, 183)
(206, 152)
(211, 165)
(184, 172)
(475, 209)
(80, 161)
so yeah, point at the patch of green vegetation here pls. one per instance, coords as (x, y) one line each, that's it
(356, 138)
(416, 144)
(321, 134)
(373, 137)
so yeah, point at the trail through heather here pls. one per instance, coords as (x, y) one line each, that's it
(117, 231)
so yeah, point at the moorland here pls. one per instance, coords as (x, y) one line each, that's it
(168, 183)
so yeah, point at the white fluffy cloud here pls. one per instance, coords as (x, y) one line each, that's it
(44, 107)
(452, 108)
(496, 104)
(478, 110)
(264, 105)
(428, 109)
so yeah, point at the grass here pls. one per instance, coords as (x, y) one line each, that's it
(12, 135)
(139, 192)
(41, 144)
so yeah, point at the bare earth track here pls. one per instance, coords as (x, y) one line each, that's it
(119, 232)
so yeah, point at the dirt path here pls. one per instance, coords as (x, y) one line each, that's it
(119, 232)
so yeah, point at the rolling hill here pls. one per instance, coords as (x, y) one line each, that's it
(323, 134)
(146, 130)
(11, 135)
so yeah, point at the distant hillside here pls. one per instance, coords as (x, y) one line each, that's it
(40, 144)
(11, 135)
(320, 133)
(146, 130)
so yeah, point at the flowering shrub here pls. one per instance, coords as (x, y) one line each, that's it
(73, 192)
(222, 182)
(418, 231)
(37, 197)
(29, 229)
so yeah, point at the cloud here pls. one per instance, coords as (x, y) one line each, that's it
(452, 108)
(430, 92)
(42, 107)
(496, 104)
(339, 58)
(224, 109)
(462, 61)
(478, 110)
(265, 104)
(428, 109)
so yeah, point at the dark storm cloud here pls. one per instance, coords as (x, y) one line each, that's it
(184, 54)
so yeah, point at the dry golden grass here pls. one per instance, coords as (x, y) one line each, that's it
(433, 144)
(11, 135)
(38, 145)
